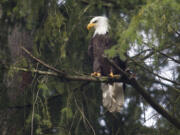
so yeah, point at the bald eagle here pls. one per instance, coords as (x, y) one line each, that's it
(112, 93)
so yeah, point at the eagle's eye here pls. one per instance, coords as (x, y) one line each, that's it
(95, 21)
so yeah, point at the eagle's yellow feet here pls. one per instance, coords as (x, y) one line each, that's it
(96, 74)
(111, 75)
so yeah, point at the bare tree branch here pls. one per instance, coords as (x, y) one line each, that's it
(64, 75)
(153, 51)
(153, 72)
(147, 97)
(42, 62)
(166, 85)
(139, 54)
(35, 71)
(72, 77)
(169, 57)
(126, 76)
(147, 56)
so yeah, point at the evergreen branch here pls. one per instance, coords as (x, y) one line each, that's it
(109, 4)
(49, 99)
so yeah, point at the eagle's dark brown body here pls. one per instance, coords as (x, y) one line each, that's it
(96, 48)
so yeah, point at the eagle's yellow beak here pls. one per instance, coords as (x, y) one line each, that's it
(90, 25)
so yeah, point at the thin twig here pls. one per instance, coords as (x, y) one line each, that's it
(42, 62)
(84, 117)
(33, 109)
(153, 72)
(169, 57)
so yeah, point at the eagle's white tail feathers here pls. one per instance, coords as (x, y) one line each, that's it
(113, 96)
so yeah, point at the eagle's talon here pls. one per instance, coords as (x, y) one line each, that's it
(111, 75)
(96, 74)
(93, 74)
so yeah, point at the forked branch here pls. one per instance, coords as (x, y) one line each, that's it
(126, 78)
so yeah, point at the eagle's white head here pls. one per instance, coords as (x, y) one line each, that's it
(100, 23)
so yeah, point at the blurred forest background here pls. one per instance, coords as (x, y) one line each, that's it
(54, 31)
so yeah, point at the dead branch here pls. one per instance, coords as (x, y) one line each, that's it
(71, 77)
(42, 62)
(126, 76)
(153, 72)
(169, 57)
(147, 97)
(64, 75)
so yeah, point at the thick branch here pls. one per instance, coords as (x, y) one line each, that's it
(147, 97)
(72, 77)
(126, 77)
(63, 74)
(154, 104)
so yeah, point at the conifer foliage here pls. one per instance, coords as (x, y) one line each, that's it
(45, 82)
